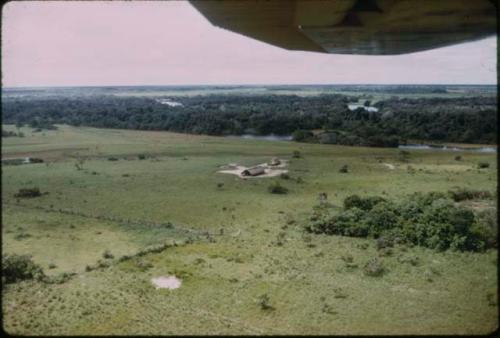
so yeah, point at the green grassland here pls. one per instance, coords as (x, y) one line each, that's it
(236, 241)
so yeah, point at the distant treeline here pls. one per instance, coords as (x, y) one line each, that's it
(470, 120)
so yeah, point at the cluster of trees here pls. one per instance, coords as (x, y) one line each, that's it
(467, 120)
(471, 120)
(427, 219)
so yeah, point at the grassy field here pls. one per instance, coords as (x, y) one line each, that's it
(236, 241)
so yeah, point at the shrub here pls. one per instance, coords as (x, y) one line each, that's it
(296, 154)
(367, 203)
(383, 242)
(285, 176)
(141, 156)
(458, 158)
(124, 258)
(466, 194)
(21, 236)
(28, 193)
(59, 279)
(263, 302)
(374, 268)
(485, 230)
(277, 188)
(107, 255)
(103, 264)
(20, 267)
(112, 158)
(344, 169)
(280, 239)
(52, 266)
(381, 218)
(483, 165)
(143, 265)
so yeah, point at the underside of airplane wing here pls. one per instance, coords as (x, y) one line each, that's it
(366, 27)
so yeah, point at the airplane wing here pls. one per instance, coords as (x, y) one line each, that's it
(366, 27)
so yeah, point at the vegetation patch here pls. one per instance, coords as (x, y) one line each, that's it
(463, 194)
(374, 268)
(20, 267)
(28, 193)
(277, 188)
(427, 219)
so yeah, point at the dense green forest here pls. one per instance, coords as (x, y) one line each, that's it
(467, 119)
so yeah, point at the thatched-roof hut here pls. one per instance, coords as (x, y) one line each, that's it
(255, 171)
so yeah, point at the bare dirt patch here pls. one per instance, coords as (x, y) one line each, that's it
(269, 170)
(166, 282)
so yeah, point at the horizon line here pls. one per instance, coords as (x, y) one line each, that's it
(251, 85)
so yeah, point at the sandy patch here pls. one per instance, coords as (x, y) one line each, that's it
(390, 166)
(166, 282)
(269, 170)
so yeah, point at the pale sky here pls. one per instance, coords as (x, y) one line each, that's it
(169, 43)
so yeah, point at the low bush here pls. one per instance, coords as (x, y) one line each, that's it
(344, 169)
(467, 194)
(22, 236)
(107, 255)
(366, 203)
(277, 188)
(373, 268)
(112, 158)
(483, 165)
(20, 267)
(59, 279)
(296, 154)
(431, 220)
(458, 158)
(28, 193)
(383, 243)
(143, 265)
(124, 258)
(263, 302)
(285, 176)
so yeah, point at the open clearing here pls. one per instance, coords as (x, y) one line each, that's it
(269, 170)
(234, 241)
